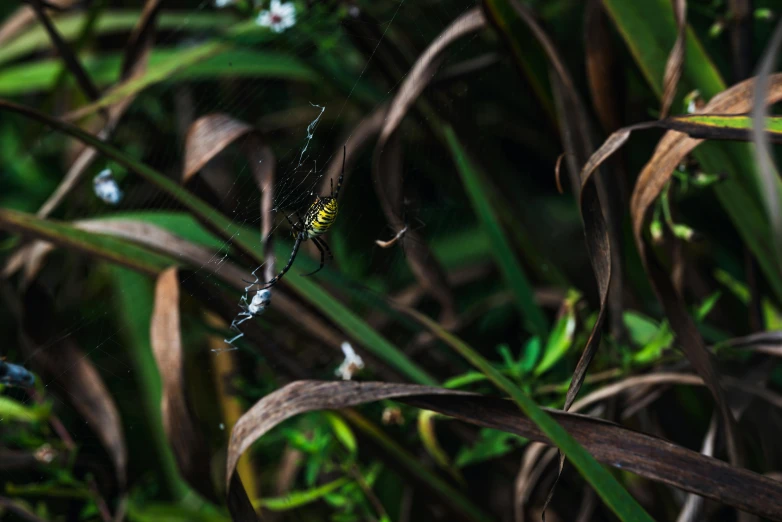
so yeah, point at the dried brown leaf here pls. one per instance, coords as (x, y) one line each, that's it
(692, 506)
(72, 62)
(84, 160)
(673, 67)
(140, 39)
(387, 164)
(536, 458)
(207, 137)
(21, 18)
(184, 435)
(631, 451)
(671, 150)
(769, 343)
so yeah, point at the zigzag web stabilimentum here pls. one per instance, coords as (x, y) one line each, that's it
(252, 307)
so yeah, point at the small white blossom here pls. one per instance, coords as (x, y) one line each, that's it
(223, 3)
(278, 17)
(351, 364)
(106, 188)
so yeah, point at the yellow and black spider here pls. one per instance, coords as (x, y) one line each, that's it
(316, 222)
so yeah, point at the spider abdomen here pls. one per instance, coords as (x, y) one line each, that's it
(321, 216)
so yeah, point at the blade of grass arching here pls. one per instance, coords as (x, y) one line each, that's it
(246, 242)
(607, 487)
(164, 64)
(474, 183)
(206, 61)
(133, 303)
(649, 31)
(114, 21)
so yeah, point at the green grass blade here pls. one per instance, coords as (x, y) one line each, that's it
(12, 410)
(164, 65)
(70, 26)
(133, 302)
(613, 494)
(724, 127)
(296, 499)
(503, 253)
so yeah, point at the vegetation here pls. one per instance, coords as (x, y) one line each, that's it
(554, 284)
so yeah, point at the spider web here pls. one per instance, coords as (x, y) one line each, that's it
(306, 138)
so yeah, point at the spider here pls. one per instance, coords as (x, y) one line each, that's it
(316, 222)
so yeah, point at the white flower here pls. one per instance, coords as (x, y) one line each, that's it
(351, 364)
(106, 188)
(278, 17)
(223, 3)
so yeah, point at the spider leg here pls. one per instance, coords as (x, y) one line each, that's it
(322, 256)
(299, 239)
(341, 175)
(325, 246)
(289, 221)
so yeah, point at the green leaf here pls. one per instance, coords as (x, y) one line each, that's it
(474, 183)
(530, 354)
(707, 305)
(196, 63)
(722, 127)
(296, 499)
(490, 444)
(461, 381)
(343, 432)
(70, 26)
(159, 512)
(561, 338)
(605, 485)
(11, 410)
(428, 435)
(641, 328)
